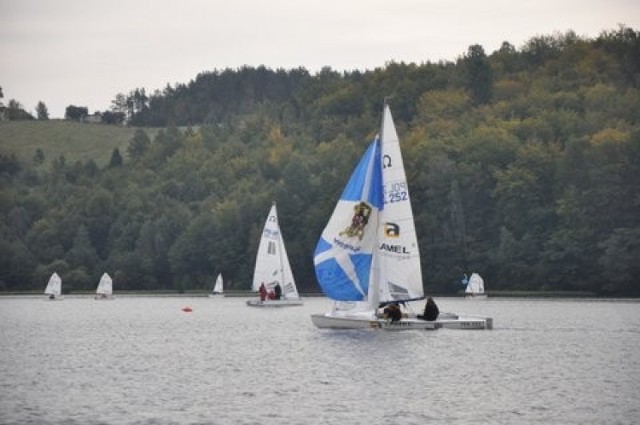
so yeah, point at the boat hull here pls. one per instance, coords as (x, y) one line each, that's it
(329, 321)
(274, 303)
(467, 322)
(476, 297)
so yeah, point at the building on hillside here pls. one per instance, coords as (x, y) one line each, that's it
(96, 118)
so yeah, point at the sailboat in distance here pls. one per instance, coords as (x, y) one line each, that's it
(475, 288)
(272, 277)
(53, 291)
(104, 291)
(218, 287)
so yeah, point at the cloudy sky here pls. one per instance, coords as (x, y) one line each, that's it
(83, 53)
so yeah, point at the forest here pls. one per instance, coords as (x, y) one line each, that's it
(523, 164)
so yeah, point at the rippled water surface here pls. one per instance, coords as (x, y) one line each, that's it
(144, 361)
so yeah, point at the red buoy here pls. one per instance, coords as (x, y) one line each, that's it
(187, 309)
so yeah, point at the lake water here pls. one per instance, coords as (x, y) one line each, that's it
(141, 360)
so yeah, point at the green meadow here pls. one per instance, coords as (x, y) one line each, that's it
(76, 141)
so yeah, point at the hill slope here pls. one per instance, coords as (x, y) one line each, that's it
(74, 140)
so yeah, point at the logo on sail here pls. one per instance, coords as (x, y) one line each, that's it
(386, 161)
(391, 230)
(362, 212)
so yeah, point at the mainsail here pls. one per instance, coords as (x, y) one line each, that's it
(105, 286)
(399, 255)
(368, 251)
(476, 285)
(217, 289)
(54, 286)
(272, 263)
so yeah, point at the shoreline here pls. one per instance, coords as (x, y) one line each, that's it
(496, 294)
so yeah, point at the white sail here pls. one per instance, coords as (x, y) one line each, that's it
(54, 286)
(400, 273)
(105, 286)
(217, 289)
(272, 263)
(475, 285)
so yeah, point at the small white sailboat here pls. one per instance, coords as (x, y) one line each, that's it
(475, 287)
(105, 288)
(273, 269)
(368, 255)
(54, 288)
(218, 287)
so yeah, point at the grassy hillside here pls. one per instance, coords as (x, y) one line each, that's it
(74, 140)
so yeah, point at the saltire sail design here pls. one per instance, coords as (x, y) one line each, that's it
(344, 254)
(272, 262)
(369, 250)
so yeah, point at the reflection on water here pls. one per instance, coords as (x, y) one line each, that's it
(145, 361)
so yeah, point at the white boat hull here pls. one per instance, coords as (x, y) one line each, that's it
(476, 296)
(329, 321)
(469, 322)
(274, 303)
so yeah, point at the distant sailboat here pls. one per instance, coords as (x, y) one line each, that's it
(272, 267)
(475, 287)
(218, 287)
(105, 288)
(54, 288)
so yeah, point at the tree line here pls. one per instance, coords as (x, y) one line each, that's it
(523, 164)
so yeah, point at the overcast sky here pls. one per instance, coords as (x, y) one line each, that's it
(83, 53)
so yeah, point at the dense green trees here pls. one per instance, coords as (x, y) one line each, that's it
(523, 164)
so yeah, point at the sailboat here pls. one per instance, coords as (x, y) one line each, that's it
(368, 255)
(218, 287)
(105, 288)
(54, 288)
(475, 287)
(273, 269)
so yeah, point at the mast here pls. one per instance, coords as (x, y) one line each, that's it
(374, 281)
(280, 246)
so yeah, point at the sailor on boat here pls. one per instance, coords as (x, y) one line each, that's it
(392, 312)
(431, 311)
(263, 292)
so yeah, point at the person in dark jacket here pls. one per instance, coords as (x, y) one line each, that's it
(278, 291)
(392, 312)
(431, 311)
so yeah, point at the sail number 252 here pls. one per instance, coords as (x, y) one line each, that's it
(397, 192)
